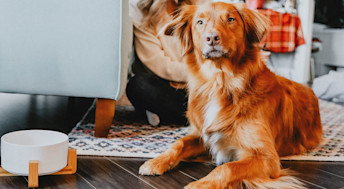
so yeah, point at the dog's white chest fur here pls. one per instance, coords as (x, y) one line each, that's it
(215, 140)
(218, 144)
(209, 70)
(221, 153)
(212, 107)
(211, 111)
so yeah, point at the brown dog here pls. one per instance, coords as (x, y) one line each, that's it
(240, 111)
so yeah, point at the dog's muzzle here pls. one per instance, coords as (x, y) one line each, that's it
(212, 46)
(213, 52)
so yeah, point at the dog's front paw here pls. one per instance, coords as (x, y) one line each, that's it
(201, 184)
(216, 179)
(156, 166)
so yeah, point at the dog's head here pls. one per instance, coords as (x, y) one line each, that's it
(217, 30)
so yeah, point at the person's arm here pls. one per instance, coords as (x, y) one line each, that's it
(152, 55)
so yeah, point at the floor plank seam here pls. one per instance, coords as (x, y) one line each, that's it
(193, 178)
(310, 183)
(131, 173)
(89, 183)
(330, 173)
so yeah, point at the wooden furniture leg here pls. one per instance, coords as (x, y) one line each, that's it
(33, 174)
(105, 111)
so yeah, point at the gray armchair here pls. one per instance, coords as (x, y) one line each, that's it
(75, 48)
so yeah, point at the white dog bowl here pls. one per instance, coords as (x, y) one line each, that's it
(49, 148)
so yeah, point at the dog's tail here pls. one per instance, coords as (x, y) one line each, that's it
(285, 181)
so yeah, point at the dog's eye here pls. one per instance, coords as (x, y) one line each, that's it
(200, 22)
(231, 19)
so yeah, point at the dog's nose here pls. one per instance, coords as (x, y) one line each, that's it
(212, 38)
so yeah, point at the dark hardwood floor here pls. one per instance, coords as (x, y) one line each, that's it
(62, 113)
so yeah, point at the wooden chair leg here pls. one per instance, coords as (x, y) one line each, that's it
(105, 111)
(33, 174)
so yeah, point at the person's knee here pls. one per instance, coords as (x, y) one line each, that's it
(140, 88)
(139, 83)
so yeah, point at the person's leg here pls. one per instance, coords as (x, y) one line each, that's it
(149, 92)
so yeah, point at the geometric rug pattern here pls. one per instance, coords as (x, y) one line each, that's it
(132, 136)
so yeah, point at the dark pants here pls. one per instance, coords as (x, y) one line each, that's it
(146, 91)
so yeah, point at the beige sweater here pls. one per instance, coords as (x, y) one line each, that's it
(161, 54)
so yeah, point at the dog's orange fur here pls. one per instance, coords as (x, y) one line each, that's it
(240, 111)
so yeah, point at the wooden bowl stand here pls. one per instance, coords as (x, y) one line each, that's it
(33, 169)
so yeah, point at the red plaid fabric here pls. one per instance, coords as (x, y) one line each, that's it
(285, 33)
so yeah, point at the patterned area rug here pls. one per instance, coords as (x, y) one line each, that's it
(131, 136)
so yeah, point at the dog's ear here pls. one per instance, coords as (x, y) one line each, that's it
(256, 24)
(181, 26)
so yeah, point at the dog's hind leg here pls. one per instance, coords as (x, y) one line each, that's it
(186, 147)
(225, 175)
(255, 170)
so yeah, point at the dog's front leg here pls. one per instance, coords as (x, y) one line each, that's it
(185, 147)
(258, 159)
(231, 173)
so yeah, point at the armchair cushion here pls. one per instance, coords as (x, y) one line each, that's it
(65, 47)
